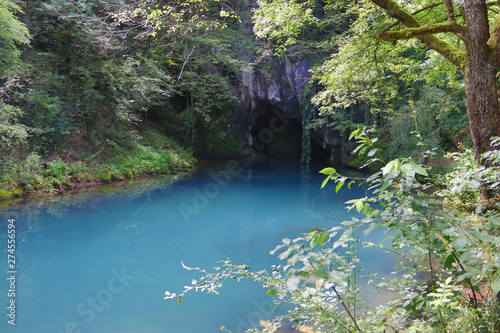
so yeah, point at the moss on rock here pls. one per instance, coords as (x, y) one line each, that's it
(105, 177)
(5, 195)
(17, 192)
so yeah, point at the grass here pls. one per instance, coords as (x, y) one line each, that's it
(149, 153)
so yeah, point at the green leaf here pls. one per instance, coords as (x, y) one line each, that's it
(328, 171)
(408, 169)
(489, 238)
(449, 261)
(272, 292)
(322, 238)
(359, 205)
(460, 244)
(314, 241)
(495, 283)
(339, 186)
(420, 170)
(392, 165)
(369, 229)
(323, 184)
(367, 209)
(354, 133)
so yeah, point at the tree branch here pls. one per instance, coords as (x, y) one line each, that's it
(450, 11)
(454, 55)
(494, 40)
(413, 14)
(185, 62)
(422, 30)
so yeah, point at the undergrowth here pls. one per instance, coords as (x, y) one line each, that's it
(149, 153)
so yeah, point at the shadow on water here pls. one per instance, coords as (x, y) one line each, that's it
(100, 260)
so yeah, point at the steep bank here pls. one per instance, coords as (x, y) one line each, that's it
(152, 153)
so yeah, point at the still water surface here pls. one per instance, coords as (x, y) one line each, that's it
(103, 264)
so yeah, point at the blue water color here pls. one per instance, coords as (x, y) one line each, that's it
(102, 265)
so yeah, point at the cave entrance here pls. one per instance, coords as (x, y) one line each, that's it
(278, 135)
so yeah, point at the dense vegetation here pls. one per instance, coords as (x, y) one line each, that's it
(446, 278)
(109, 90)
(85, 82)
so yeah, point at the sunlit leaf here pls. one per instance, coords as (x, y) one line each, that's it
(322, 238)
(325, 181)
(272, 292)
(328, 171)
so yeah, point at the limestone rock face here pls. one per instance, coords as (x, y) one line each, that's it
(267, 110)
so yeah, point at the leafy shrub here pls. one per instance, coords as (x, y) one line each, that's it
(438, 119)
(463, 184)
(57, 168)
(449, 262)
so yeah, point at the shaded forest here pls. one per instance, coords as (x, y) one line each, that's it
(96, 91)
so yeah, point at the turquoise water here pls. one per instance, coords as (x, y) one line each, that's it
(104, 263)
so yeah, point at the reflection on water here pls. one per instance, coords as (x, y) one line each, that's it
(101, 262)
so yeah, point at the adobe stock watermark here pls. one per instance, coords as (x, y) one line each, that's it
(88, 309)
(263, 312)
(220, 180)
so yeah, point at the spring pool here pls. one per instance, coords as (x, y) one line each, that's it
(102, 263)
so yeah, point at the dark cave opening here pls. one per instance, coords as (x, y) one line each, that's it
(278, 135)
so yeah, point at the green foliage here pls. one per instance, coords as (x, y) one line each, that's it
(4, 194)
(432, 118)
(12, 34)
(153, 153)
(57, 168)
(281, 21)
(97, 68)
(13, 134)
(462, 185)
(176, 18)
(221, 144)
(359, 66)
(448, 261)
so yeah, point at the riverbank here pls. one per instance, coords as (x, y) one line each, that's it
(31, 175)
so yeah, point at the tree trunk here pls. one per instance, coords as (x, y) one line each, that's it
(481, 97)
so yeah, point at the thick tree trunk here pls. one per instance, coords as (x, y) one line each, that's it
(481, 97)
